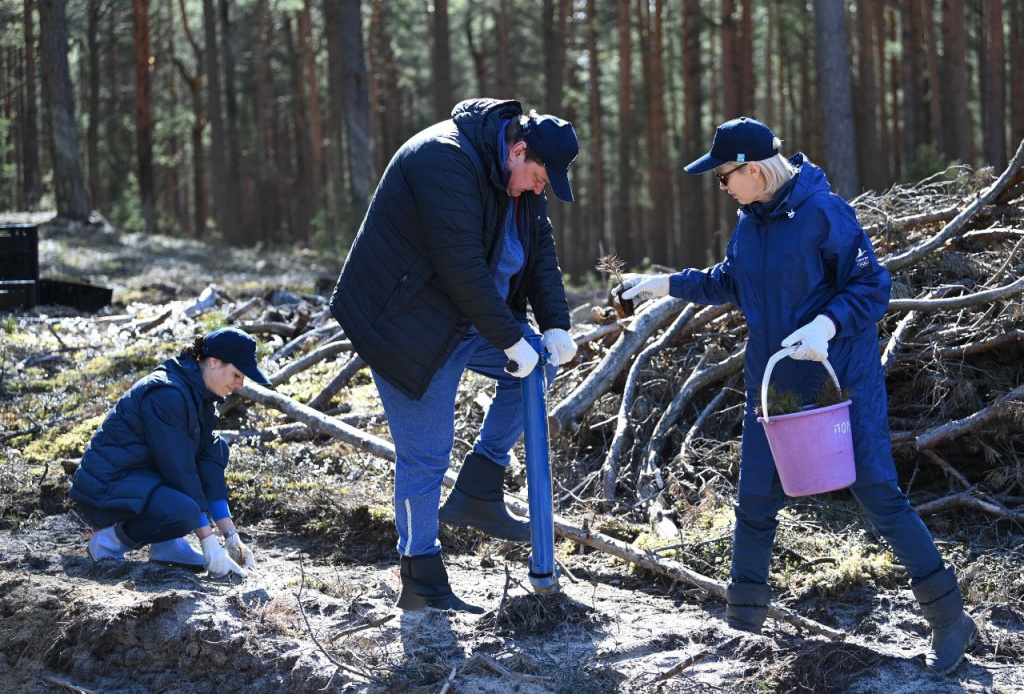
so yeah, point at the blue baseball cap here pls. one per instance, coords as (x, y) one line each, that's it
(741, 139)
(236, 348)
(554, 141)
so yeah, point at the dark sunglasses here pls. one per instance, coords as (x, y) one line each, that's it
(724, 178)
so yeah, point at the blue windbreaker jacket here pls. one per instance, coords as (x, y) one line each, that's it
(797, 256)
(159, 432)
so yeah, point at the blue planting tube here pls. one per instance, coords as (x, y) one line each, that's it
(543, 572)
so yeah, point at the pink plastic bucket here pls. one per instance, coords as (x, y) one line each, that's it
(813, 449)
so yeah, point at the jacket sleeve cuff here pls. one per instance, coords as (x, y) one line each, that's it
(204, 521)
(219, 509)
(835, 323)
(675, 285)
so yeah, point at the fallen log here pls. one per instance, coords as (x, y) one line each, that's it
(318, 421)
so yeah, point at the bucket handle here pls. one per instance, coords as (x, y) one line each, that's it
(776, 358)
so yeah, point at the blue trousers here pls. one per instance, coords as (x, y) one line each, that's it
(167, 515)
(888, 510)
(424, 434)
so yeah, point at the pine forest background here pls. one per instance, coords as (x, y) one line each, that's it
(270, 121)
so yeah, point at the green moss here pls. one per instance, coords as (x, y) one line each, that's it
(136, 360)
(212, 321)
(54, 444)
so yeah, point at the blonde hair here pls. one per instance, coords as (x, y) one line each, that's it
(776, 170)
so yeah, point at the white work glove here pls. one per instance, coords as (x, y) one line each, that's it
(643, 287)
(218, 563)
(523, 356)
(238, 551)
(813, 339)
(559, 345)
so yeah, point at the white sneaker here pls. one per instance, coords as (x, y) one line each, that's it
(105, 544)
(176, 552)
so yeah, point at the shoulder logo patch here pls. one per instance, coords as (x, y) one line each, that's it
(862, 258)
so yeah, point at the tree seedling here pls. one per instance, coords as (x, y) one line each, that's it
(613, 266)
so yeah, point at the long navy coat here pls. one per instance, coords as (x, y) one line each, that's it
(797, 256)
(421, 270)
(159, 432)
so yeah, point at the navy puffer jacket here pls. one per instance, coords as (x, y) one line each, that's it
(797, 256)
(159, 432)
(421, 269)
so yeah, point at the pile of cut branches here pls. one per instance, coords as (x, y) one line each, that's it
(655, 409)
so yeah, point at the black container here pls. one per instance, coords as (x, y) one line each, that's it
(19, 252)
(15, 294)
(84, 297)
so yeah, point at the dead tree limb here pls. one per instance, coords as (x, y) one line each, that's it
(352, 366)
(609, 470)
(896, 340)
(598, 333)
(959, 427)
(946, 467)
(696, 381)
(687, 450)
(315, 357)
(601, 378)
(967, 500)
(980, 346)
(957, 302)
(918, 251)
(318, 421)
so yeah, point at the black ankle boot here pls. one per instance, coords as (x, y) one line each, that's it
(953, 630)
(747, 606)
(425, 584)
(478, 501)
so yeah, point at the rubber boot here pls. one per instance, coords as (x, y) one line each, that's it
(478, 501)
(425, 584)
(105, 544)
(953, 630)
(747, 606)
(177, 552)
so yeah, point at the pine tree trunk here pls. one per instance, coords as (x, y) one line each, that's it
(307, 55)
(729, 58)
(595, 193)
(144, 110)
(625, 241)
(442, 62)
(357, 102)
(385, 104)
(502, 24)
(930, 87)
(660, 181)
(885, 142)
(236, 230)
(1016, 71)
(69, 188)
(868, 149)
(745, 60)
(993, 101)
(301, 210)
(195, 86)
(218, 188)
(554, 53)
(267, 218)
(32, 182)
(836, 97)
(696, 232)
(954, 95)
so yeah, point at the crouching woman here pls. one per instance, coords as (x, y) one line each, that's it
(154, 469)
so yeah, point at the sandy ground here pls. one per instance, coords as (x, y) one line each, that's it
(69, 624)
